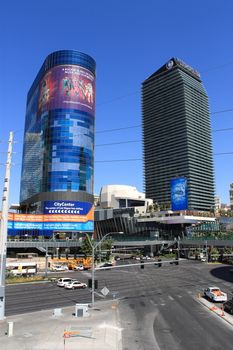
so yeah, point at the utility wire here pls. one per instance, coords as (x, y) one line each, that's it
(138, 126)
(121, 160)
(131, 141)
(217, 67)
(123, 128)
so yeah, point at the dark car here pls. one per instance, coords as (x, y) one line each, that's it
(228, 306)
(106, 265)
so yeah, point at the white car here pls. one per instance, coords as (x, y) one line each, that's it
(75, 285)
(79, 268)
(63, 281)
(60, 268)
(215, 294)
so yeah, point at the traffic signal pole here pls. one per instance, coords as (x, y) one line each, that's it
(3, 228)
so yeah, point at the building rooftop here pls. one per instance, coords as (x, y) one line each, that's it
(174, 63)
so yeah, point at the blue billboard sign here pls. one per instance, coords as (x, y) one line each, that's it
(10, 225)
(70, 226)
(67, 207)
(28, 225)
(179, 194)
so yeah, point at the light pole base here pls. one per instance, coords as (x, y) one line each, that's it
(2, 308)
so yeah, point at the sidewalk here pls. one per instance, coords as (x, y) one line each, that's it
(217, 310)
(44, 331)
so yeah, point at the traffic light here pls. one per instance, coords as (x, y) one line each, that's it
(90, 283)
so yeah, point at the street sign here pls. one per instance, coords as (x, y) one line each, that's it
(105, 291)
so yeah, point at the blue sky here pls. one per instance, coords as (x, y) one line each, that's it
(129, 40)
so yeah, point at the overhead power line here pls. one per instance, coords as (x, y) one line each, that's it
(138, 126)
(133, 141)
(218, 67)
(141, 159)
(222, 111)
(117, 129)
(123, 160)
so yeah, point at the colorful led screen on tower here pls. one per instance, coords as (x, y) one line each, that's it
(69, 87)
(179, 194)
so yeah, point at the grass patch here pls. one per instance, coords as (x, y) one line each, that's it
(168, 256)
(24, 279)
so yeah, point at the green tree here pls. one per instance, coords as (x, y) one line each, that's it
(214, 254)
(107, 246)
(86, 248)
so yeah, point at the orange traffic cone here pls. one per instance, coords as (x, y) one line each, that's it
(213, 308)
(222, 308)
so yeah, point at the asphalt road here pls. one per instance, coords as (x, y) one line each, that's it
(158, 306)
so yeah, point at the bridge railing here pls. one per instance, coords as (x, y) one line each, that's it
(210, 238)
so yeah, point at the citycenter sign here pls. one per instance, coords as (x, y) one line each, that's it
(64, 204)
(67, 207)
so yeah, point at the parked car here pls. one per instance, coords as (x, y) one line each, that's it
(228, 306)
(63, 281)
(146, 257)
(60, 268)
(75, 285)
(106, 265)
(79, 268)
(117, 258)
(204, 259)
(215, 294)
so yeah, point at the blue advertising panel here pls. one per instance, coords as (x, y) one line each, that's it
(179, 194)
(28, 225)
(10, 225)
(67, 207)
(71, 226)
(74, 226)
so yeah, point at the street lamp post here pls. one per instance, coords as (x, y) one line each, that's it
(206, 247)
(178, 248)
(93, 247)
(3, 227)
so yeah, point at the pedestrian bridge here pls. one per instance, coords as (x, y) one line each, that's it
(126, 242)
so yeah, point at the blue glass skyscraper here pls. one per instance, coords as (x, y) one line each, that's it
(58, 153)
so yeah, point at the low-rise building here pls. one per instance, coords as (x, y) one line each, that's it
(231, 195)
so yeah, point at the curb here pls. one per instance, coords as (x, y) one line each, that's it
(98, 304)
(216, 310)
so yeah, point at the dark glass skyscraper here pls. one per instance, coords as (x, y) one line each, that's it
(58, 159)
(177, 135)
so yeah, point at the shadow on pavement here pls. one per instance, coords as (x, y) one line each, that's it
(223, 272)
